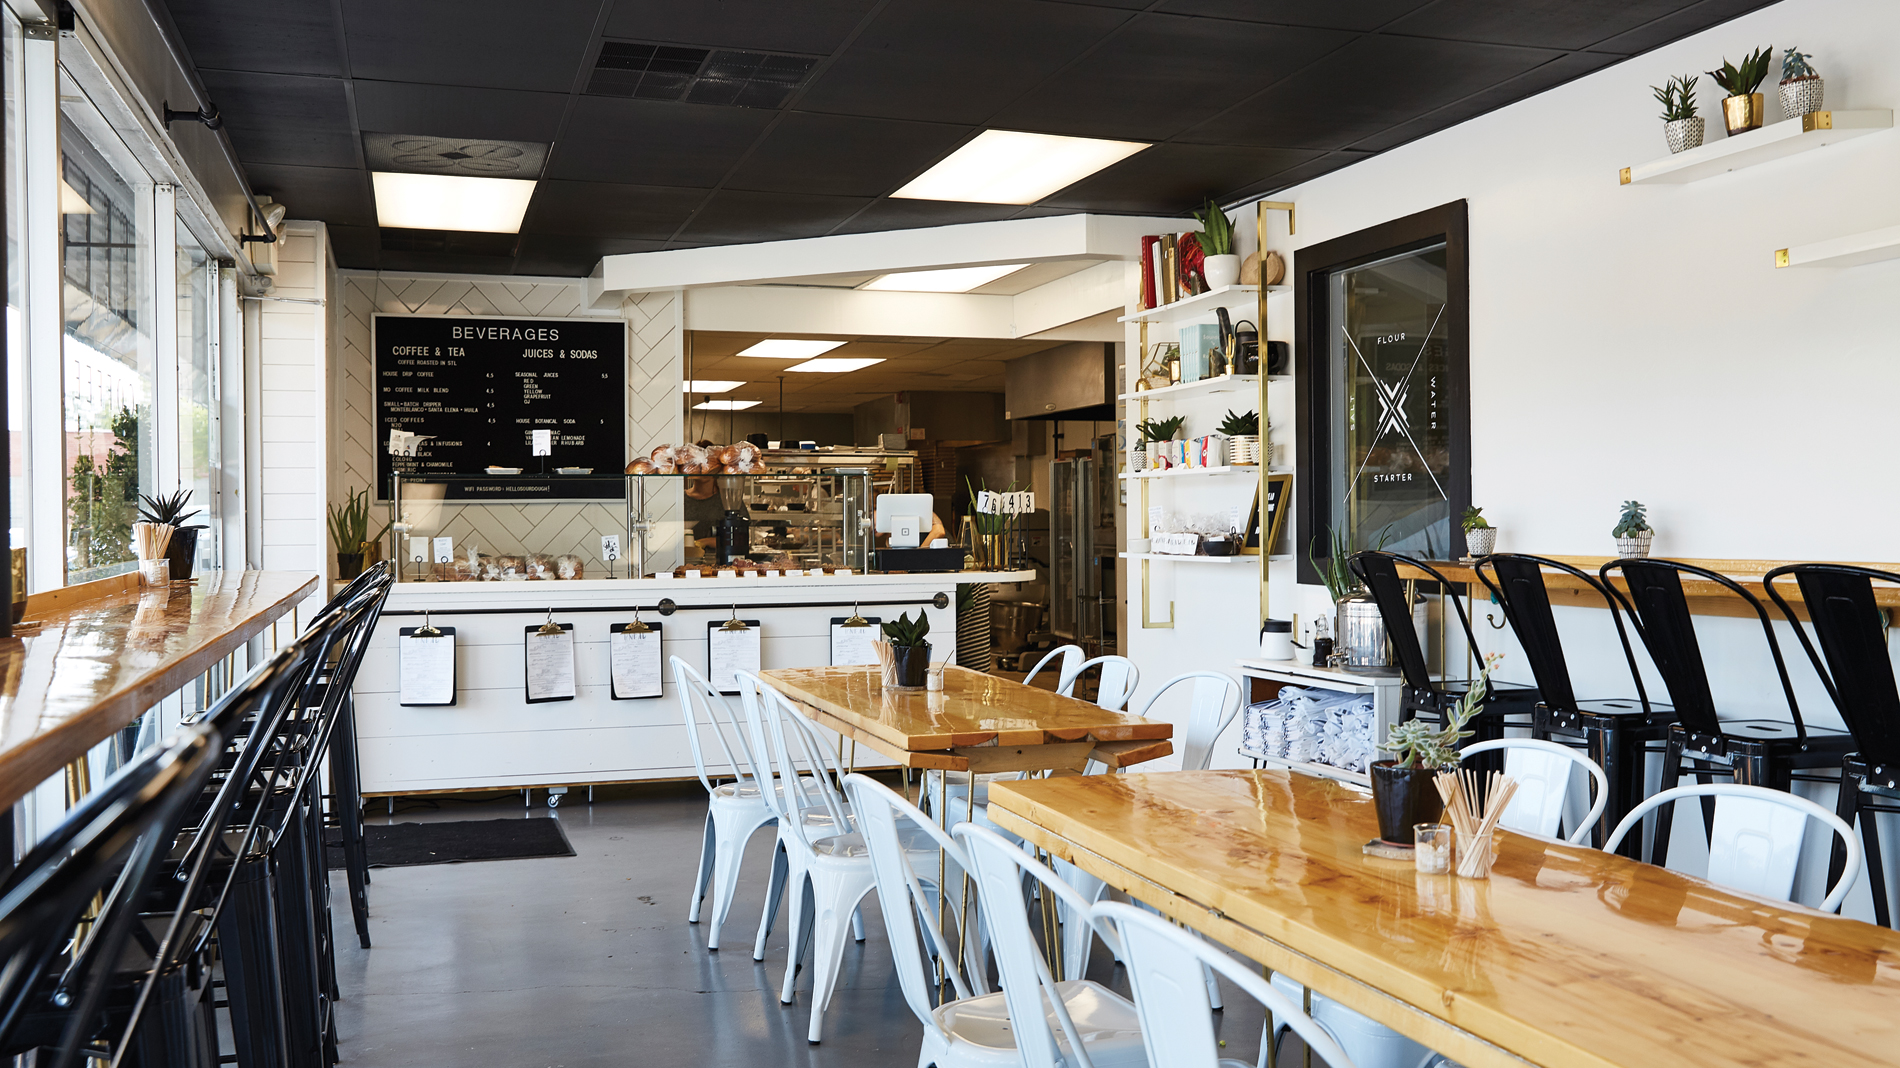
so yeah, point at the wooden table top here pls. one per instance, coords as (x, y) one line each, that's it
(1566, 956)
(973, 711)
(1705, 597)
(96, 665)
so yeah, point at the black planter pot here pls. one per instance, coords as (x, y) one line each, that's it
(910, 663)
(1403, 797)
(349, 565)
(182, 551)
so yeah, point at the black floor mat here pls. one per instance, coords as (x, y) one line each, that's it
(400, 845)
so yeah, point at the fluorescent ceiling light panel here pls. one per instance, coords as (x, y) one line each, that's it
(1009, 167)
(710, 385)
(948, 280)
(726, 405)
(451, 202)
(835, 364)
(789, 349)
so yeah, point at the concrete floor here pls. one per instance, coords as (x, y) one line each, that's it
(587, 961)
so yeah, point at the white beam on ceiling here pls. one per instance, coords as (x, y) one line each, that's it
(1057, 237)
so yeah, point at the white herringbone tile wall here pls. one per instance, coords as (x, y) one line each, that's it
(655, 353)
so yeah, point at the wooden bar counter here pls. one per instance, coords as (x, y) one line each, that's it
(96, 664)
(1566, 957)
(976, 723)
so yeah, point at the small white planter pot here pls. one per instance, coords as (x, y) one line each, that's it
(1221, 270)
(1636, 546)
(1801, 96)
(1482, 541)
(1683, 134)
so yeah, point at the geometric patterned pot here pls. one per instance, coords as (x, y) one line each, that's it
(1799, 96)
(1637, 546)
(1481, 541)
(1683, 134)
(1138, 458)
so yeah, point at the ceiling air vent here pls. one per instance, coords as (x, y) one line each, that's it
(698, 75)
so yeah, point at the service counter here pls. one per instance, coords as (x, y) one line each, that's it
(492, 738)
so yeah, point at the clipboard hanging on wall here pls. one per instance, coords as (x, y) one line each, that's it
(852, 639)
(731, 648)
(548, 652)
(634, 651)
(425, 662)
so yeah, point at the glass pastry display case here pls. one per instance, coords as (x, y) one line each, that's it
(804, 510)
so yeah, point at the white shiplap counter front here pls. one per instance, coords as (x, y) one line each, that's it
(493, 739)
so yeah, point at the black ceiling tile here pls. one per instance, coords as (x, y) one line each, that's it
(1162, 74)
(1693, 18)
(447, 242)
(1294, 175)
(845, 155)
(1564, 68)
(814, 26)
(1169, 179)
(1376, 82)
(494, 43)
(355, 247)
(648, 142)
(336, 195)
(225, 35)
(444, 262)
(285, 118)
(955, 60)
(887, 214)
(572, 257)
(1328, 14)
(604, 209)
(458, 111)
(736, 215)
(1534, 23)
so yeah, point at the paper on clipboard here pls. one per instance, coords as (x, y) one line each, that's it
(636, 661)
(426, 666)
(731, 650)
(550, 664)
(853, 645)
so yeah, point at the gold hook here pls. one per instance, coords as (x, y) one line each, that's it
(550, 627)
(735, 623)
(638, 627)
(856, 620)
(427, 630)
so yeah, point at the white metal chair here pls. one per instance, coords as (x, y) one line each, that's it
(1542, 771)
(1115, 684)
(734, 810)
(1166, 966)
(1755, 842)
(1064, 657)
(824, 857)
(1212, 706)
(1094, 1027)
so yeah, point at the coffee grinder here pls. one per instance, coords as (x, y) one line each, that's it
(734, 530)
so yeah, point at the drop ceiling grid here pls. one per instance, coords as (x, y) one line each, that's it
(1239, 97)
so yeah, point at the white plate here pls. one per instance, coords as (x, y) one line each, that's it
(573, 470)
(504, 470)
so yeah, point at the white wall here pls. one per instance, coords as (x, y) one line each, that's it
(1638, 342)
(288, 423)
(654, 357)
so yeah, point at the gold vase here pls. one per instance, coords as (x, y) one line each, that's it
(991, 551)
(1742, 113)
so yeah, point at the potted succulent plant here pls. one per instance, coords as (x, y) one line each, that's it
(1682, 127)
(349, 529)
(1632, 532)
(1220, 266)
(1243, 437)
(1742, 110)
(1402, 792)
(909, 652)
(1155, 432)
(1801, 88)
(1481, 538)
(182, 550)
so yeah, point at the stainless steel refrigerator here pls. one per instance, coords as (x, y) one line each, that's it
(1082, 598)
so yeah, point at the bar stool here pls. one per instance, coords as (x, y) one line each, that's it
(1858, 675)
(1615, 732)
(1505, 704)
(1759, 752)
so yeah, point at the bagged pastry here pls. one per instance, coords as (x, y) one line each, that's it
(641, 466)
(569, 566)
(541, 566)
(665, 459)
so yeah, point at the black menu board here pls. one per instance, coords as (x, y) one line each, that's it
(479, 387)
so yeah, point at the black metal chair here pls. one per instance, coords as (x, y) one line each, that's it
(1852, 630)
(1757, 752)
(1505, 704)
(56, 967)
(1615, 732)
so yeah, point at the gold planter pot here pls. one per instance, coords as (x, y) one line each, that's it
(992, 551)
(1742, 113)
